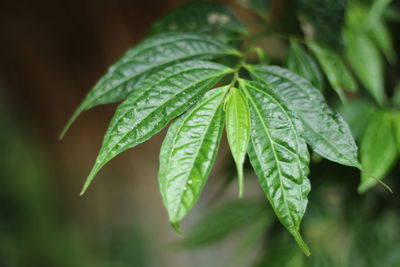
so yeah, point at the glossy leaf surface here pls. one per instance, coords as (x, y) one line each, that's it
(304, 65)
(188, 154)
(279, 157)
(238, 130)
(205, 17)
(336, 72)
(162, 97)
(149, 56)
(325, 131)
(378, 149)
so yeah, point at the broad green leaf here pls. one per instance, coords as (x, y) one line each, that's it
(279, 156)
(211, 18)
(162, 97)
(304, 65)
(366, 62)
(378, 150)
(325, 131)
(188, 154)
(332, 64)
(356, 113)
(327, 18)
(380, 34)
(258, 6)
(151, 55)
(238, 130)
(224, 220)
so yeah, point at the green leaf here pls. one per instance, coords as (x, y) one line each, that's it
(357, 113)
(238, 130)
(188, 154)
(380, 34)
(378, 150)
(325, 131)
(220, 222)
(338, 75)
(211, 18)
(279, 156)
(151, 55)
(366, 62)
(162, 97)
(327, 18)
(258, 6)
(304, 65)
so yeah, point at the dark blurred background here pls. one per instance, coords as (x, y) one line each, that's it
(51, 54)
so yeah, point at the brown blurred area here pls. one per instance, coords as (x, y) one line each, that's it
(52, 53)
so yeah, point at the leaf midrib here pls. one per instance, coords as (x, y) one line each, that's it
(276, 159)
(303, 120)
(168, 99)
(201, 142)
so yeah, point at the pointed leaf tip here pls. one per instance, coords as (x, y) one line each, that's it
(177, 227)
(301, 243)
(71, 120)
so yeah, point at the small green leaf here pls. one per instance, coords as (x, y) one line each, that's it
(366, 62)
(332, 64)
(162, 97)
(378, 149)
(325, 131)
(211, 18)
(188, 154)
(304, 65)
(151, 55)
(238, 130)
(279, 156)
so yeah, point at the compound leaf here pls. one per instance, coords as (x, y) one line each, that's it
(149, 56)
(325, 131)
(238, 130)
(162, 97)
(279, 156)
(378, 149)
(336, 72)
(304, 65)
(188, 154)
